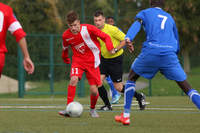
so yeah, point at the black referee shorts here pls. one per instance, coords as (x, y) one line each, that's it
(112, 67)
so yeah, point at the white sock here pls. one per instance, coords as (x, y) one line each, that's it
(126, 115)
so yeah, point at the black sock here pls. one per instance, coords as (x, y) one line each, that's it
(137, 95)
(104, 96)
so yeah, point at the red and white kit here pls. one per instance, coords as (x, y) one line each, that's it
(86, 51)
(8, 22)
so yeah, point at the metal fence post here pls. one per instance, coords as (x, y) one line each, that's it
(81, 87)
(21, 79)
(116, 11)
(51, 64)
(150, 88)
(82, 11)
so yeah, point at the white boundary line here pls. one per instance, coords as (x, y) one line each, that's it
(85, 105)
(49, 106)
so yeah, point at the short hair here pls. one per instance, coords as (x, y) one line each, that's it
(155, 3)
(110, 17)
(98, 13)
(72, 16)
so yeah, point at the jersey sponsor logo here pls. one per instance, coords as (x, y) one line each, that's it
(68, 39)
(80, 48)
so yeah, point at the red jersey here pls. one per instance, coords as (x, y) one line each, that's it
(85, 46)
(8, 22)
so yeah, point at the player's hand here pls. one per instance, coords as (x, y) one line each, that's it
(66, 60)
(28, 65)
(130, 47)
(112, 51)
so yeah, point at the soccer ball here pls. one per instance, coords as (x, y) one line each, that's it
(74, 109)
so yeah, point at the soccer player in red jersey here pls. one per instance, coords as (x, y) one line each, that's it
(86, 57)
(8, 22)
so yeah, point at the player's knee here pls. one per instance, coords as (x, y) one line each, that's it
(133, 76)
(93, 90)
(73, 81)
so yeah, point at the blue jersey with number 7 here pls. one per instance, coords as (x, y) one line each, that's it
(161, 31)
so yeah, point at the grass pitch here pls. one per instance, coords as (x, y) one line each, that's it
(162, 115)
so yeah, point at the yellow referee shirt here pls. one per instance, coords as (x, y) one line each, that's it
(116, 36)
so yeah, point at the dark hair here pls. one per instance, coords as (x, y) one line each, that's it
(157, 3)
(110, 17)
(98, 13)
(71, 17)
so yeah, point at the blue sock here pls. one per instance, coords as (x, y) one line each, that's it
(128, 95)
(195, 97)
(112, 88)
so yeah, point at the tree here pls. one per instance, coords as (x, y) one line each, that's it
(186, 14)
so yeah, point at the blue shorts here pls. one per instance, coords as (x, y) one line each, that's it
(147, 65)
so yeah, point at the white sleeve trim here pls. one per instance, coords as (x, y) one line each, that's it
(14, 26)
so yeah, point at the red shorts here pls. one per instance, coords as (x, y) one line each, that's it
(92, 74)
(2, 62)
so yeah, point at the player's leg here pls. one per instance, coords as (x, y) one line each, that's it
(144, 65)
(192, 93)
(115, 94)
(2, 62)
(104, 96)
(173, 71)
(102, 91)
(94, 78)
(128, 96)
(75, 75)
(93, 100)
(71, 89)
(116, 76)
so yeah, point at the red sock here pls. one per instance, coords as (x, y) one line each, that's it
(93, 100)
(71, 91)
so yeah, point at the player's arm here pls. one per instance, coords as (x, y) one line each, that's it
(27, 62)
(119, 35)
(104, 37)
(65, 52)
(133, 30)
(16, 30)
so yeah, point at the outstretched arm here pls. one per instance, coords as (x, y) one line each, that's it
(133, 30)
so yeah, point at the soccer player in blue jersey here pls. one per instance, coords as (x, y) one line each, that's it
(159, 53)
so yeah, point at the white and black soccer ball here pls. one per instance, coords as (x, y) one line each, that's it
(74, 109)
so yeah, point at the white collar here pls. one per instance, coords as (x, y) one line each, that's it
(158, 7)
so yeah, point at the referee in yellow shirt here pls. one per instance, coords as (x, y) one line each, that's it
(111, 64)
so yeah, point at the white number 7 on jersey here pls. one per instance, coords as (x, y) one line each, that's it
(163, 21)
(1, 21)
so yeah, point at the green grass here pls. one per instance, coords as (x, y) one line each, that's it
(160, 87)
(163, 115)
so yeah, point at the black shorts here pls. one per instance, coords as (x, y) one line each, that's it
(112, 67)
